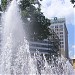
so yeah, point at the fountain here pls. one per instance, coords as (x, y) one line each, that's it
(15, 57)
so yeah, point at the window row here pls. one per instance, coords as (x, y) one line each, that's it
(57, 26)
(38, 45)
(61, 42)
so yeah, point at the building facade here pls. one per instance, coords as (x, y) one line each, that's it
(44, 47)
(49, 46)
(58, 25)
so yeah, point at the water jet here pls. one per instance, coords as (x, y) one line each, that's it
(15, 57)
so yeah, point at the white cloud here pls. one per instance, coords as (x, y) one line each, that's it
(58, 8)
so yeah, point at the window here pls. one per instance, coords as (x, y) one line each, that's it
(61, 36)
(56, 29)
(61, 32)
(62, 42)
(56, 26)
(61, 29)
(61, 39)
(60, 26)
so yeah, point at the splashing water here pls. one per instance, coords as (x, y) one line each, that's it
(15, 58)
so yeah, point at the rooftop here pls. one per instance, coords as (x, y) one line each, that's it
(57, 20)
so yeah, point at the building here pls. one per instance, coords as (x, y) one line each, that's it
(44, 47)
(58, 25)
(55, 41)
(48, 46)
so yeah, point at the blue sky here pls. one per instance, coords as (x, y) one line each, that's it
(62, 8)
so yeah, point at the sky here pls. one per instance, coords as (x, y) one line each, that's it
(62, 8)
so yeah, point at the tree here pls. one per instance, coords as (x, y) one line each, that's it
(3, 4)
(37, 25)
(72, 1)
(24, 4)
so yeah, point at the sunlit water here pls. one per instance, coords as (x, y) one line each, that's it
(15, 57)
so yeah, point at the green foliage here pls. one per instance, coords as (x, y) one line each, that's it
(37, 26)
(72, 1)
(24, 4)
(3, 4)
